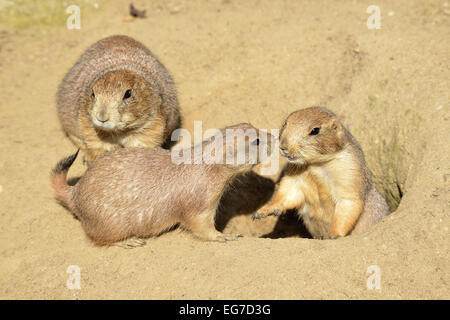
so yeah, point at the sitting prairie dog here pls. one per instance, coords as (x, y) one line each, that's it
(326, 178)
(117, 95)
(134, 193)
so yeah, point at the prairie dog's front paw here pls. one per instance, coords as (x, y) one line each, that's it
(135, 144)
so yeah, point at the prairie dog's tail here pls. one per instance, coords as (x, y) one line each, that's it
(63, 191)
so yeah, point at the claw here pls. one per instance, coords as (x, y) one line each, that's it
(330, 237)
(276, 213)
(258, 216)
(131, 243)
(229, 237)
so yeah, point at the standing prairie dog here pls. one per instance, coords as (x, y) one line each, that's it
(138, 192)
(326, 178)
(117, 95)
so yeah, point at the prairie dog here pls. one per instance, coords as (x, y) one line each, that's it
(139, 192)
(326, 178)
(117, 95)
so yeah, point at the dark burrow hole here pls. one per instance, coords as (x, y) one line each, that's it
(391, 190)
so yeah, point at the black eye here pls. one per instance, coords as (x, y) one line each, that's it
(127, 94)
(314, 131)
(255, 142)
(93, 94)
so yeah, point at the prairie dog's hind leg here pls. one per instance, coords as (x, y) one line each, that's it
(202, 226)
(346, 215)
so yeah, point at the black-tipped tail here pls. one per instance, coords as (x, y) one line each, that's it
(65, 164)
(58, 180)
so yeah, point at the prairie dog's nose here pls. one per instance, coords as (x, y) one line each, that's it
(102, 116)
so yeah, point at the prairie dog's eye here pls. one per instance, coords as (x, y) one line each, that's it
(255, 142)
(314, 131)
(92, 94)
(127, 94)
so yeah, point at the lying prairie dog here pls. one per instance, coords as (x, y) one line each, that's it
(326, 178)
(138, 192)
(117, 95)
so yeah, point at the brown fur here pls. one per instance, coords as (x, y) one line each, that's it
(138, 192)
(326, 178)
(91, 99)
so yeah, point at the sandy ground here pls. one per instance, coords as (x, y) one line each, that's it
(236, 61)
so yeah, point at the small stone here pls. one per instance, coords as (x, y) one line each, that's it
(128, 18)
(174, 9)
(391, 13)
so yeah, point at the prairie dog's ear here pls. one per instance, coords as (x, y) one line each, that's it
(336, 126)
